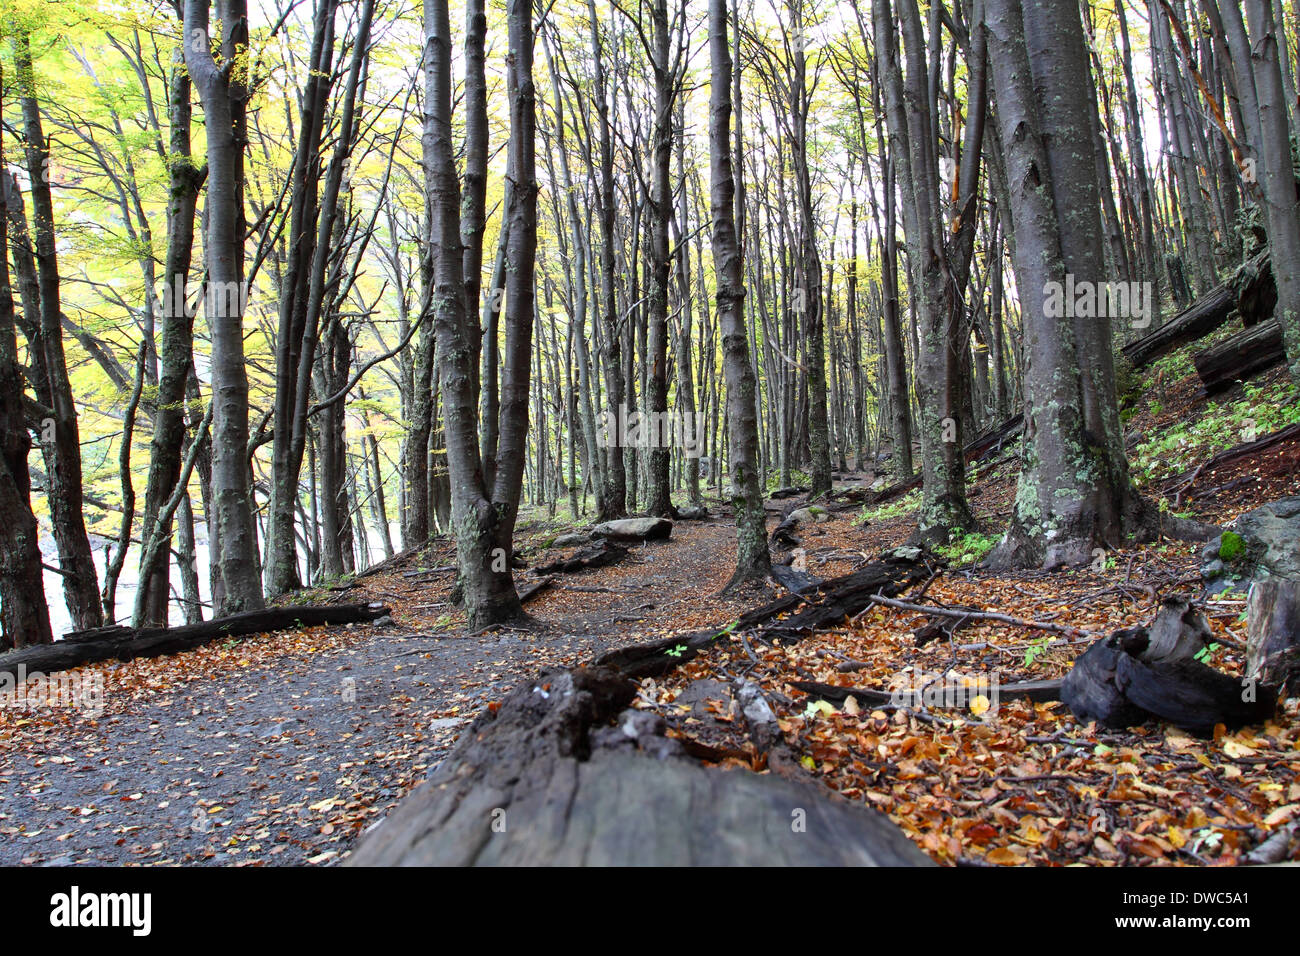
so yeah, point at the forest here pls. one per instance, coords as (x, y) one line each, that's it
(883, 412)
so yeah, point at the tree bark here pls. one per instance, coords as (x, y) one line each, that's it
(752, 557)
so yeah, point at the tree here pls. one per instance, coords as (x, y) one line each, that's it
(752, 558)
(185, 179)
(1280, 193)
(483, 518)
(224, 94)
(1074, 494)
(62, 451)
(24, 617)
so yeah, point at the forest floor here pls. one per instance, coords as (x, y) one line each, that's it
(284, 748)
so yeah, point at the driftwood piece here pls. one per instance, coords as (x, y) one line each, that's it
(126, 643)
(1244, 292)
(1273, 635)
(599, 554)
(561, 774)
(1143, 673)
(1246, 354)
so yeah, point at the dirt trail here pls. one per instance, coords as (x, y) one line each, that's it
(283, 748)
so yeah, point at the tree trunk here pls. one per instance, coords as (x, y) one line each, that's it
(1280, 195)
(177, 343)
(752, 557)
(63, 454)
(24, 616)
(1074, 493)
(224, 97)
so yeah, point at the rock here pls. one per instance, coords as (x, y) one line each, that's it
(634, 529)
(1262, 544)
(571, 540)
(693, 512)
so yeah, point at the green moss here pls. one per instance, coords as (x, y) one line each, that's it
(1231, 546)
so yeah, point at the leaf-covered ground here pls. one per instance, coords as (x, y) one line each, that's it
(284, 748)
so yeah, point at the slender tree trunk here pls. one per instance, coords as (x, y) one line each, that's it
(752, 558)
(224, 96)
(63, 455)
(1279, 176)
(24, 616)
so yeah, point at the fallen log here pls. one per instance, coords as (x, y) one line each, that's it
(827, 603)
(634, 529)
(126, 643)
(942, 626)
(598, 554)
(1245, 292)
(992, 442)
(563, 774)
(1035, 690)
(1144, 673)
(534, 588)
(833, 601)
(1273, 635)
(790, 491)
(1246, 354)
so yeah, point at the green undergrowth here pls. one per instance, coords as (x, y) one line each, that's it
(967, 547)
(1182, 445)
(897, 508)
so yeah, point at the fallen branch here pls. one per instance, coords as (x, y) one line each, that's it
(128, 643)
(1065, 629)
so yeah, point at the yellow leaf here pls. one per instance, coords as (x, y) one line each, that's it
(1234, 748)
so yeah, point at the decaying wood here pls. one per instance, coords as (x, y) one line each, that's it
(128, 643)
(1036, 690)
(993, 441)
(1143, 673)
(563, 774)
(1244, 292)
(1246, 354)
(828, 603)
(942, 626)
(1273, 636)
(835, 600)
(534, 588)
(598, 554)
(968, 615)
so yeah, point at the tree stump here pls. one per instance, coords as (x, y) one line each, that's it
(1273, 638)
